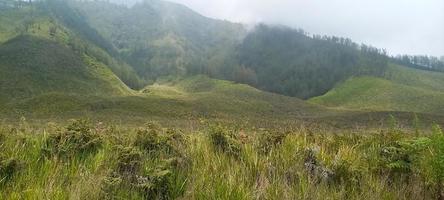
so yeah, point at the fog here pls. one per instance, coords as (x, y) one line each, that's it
(400, 26)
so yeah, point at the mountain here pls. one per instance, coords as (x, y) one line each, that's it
(401, 89)
(160, 38)
(55, 62)
(56, 21)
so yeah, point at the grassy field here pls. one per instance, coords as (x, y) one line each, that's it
(402, 89)
(188, 98)
(84, 160)
(174, 101)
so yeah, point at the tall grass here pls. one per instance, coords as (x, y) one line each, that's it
(96, 161)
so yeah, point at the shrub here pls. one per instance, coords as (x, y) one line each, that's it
(397, 159)
(153, 139)
(225, 141)
(269, 140)
(149, 138)
(316, 170)
(129, 161)
(77, 138)
(346, 167)
(152, 181)
(155, 183)
(8, 167)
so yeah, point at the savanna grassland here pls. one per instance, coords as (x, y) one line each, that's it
(100, 100)
(84, 160)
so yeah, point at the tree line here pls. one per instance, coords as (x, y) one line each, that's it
(423, 62)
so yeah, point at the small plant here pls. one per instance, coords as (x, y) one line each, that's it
(397, 159)
(155, 183)
(394, 124)
(225, 141)
(129, 162)
(77, 138)
(317, 171)
(346, 171)
(152, 182)
(8, 167)
(153, 139)
(433, 159)
(269, 140)
(416, 124)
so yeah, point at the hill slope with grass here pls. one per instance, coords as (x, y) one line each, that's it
(54, 65)
(31, 66)
(189, 98)
(401, 89)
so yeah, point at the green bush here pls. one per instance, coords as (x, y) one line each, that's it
(77, 138)
(155, 183)
(152, 182)
(269, 140)
(316, 170)
(346, 173)
(8, 167)
(129, 161)
(225, 141)
(395, 159)
(154, 139)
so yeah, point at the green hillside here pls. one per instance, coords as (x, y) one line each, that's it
(415, 77)
(401, 89)
(82, 57)
(31, 66)
(189, 98)
(54, 64)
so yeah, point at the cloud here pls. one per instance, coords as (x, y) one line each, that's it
(400, 26)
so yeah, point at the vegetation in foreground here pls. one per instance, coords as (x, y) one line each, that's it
(83, 160)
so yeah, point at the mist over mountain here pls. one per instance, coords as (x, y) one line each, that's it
(161, 38)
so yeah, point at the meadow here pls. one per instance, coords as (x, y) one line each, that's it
(82, 159)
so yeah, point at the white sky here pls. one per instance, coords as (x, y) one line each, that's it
(400, 26)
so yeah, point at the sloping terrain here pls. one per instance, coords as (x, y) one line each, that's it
(54, 64)
(189, 98)
(31, 66)
(161, 38)
(76, 58)
(402, 89)
(228, 97)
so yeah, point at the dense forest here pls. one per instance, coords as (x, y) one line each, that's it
(291, 62)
